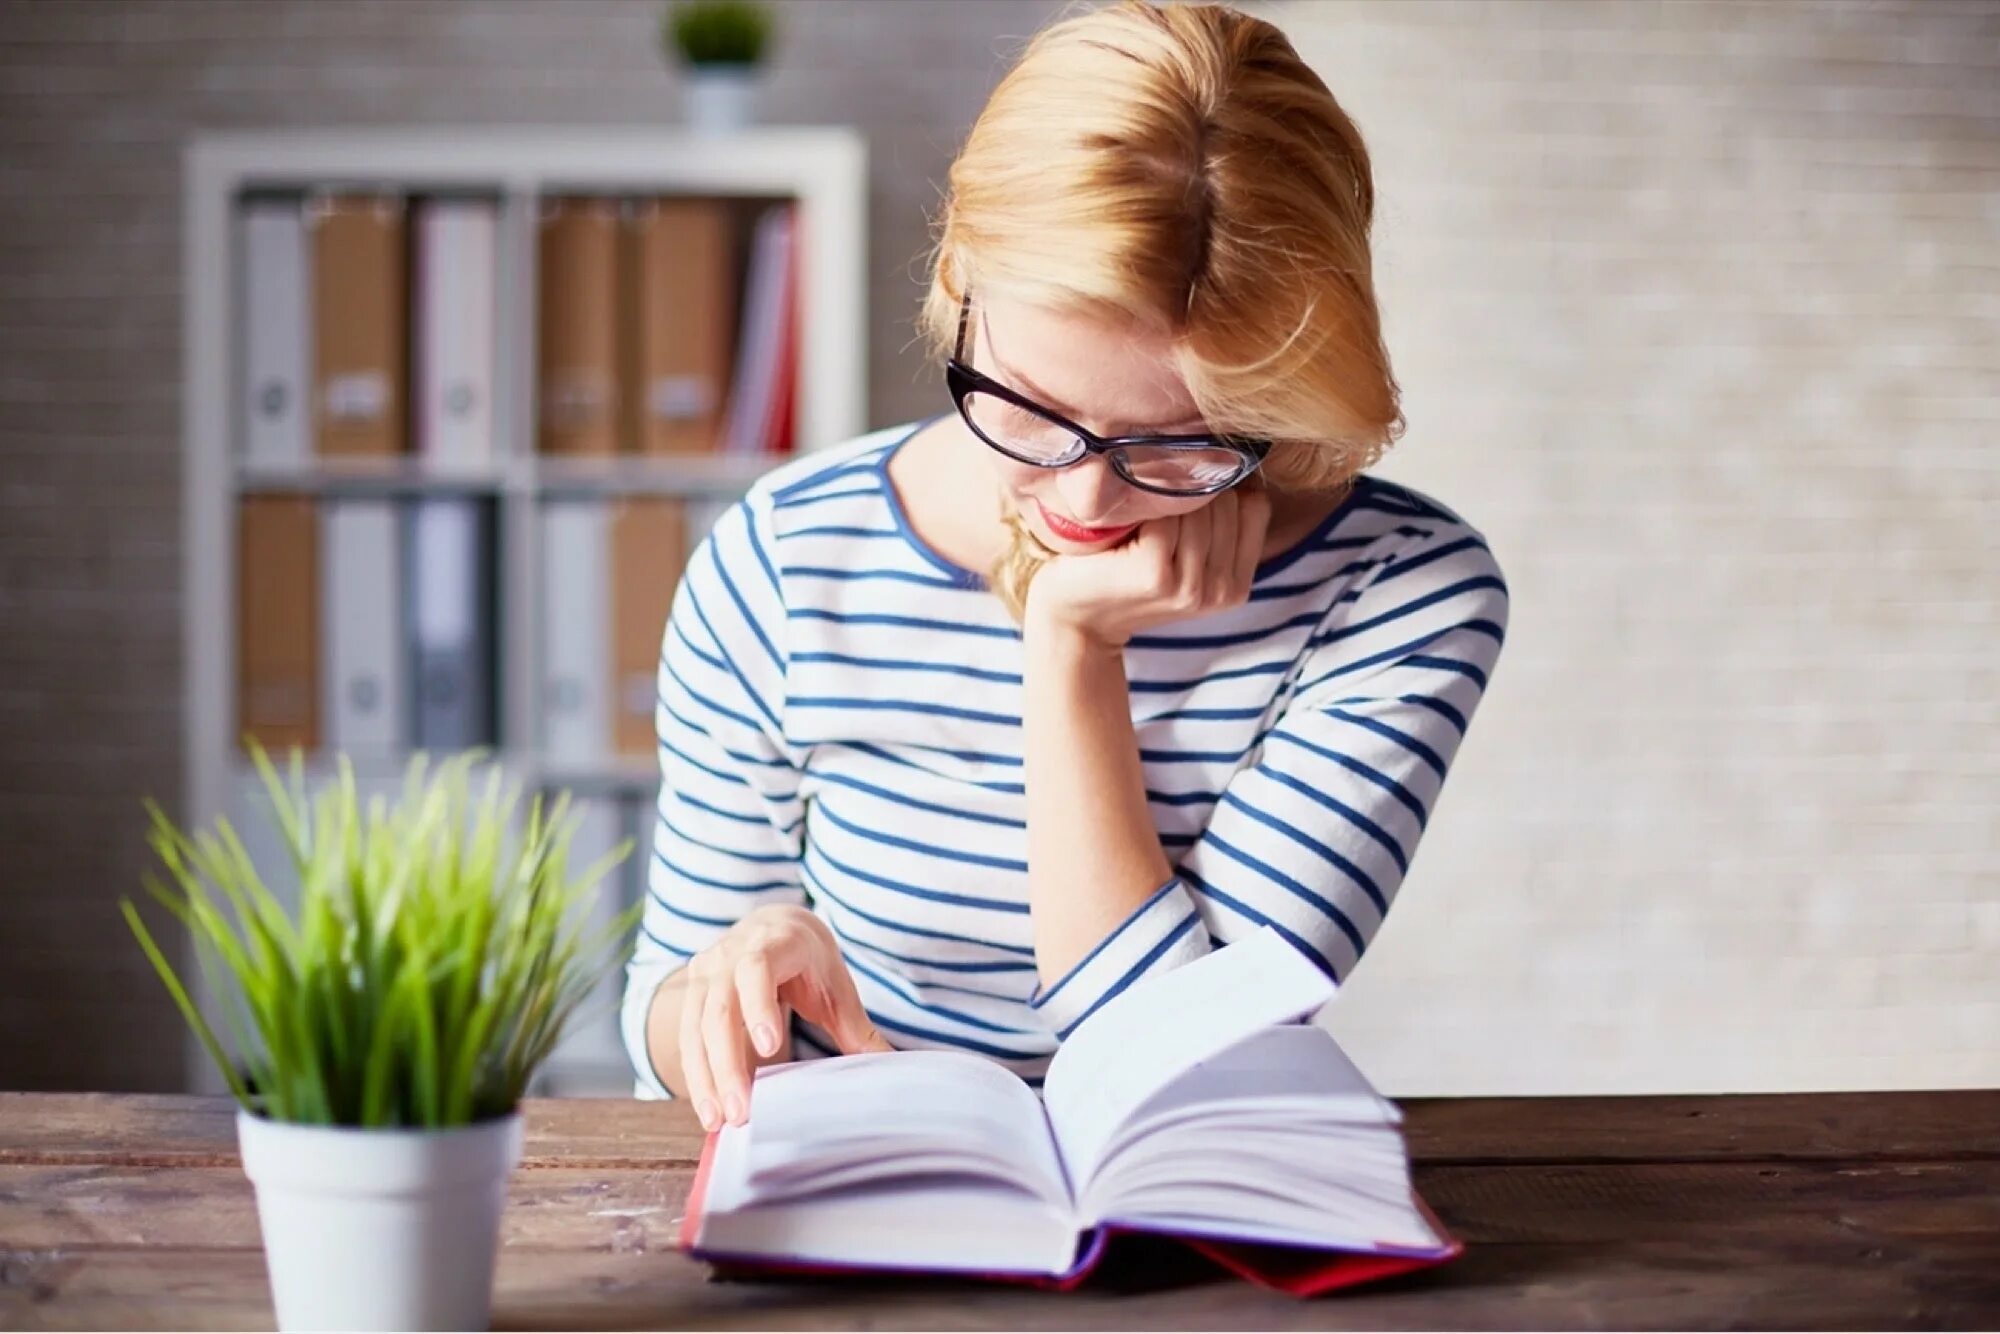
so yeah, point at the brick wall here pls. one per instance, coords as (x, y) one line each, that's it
(1697, 310)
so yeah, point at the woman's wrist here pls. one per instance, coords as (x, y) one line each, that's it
(1050, 637)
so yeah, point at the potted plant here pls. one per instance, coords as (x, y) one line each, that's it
(721, 44)
(386, 1030)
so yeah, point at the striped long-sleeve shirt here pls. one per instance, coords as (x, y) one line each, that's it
(840, 726)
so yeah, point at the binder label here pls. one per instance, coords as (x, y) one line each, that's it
(680, 397)
(357, 396)
(574, 399)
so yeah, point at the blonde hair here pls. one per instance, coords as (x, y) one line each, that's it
(1015, 570)
(1179, 168)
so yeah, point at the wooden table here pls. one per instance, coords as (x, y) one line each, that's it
(1845, 1210)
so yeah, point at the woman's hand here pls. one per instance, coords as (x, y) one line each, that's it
(1170, 569)
(777, 959)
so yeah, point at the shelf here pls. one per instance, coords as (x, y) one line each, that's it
(664, 474)
(823, 169)
(388, 476)
(610, 775)
(694, 475)
(587, 1076)
(614, 775)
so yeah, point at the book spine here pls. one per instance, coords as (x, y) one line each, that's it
(757, 339)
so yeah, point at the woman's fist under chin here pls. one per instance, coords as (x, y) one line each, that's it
(1169, 569)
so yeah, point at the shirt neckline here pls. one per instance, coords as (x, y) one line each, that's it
(973, 579)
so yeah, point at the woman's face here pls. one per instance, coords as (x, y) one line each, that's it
(1114, 381)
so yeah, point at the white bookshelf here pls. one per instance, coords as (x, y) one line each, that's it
(822, 169)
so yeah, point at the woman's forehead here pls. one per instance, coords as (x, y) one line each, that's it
(1117, 376)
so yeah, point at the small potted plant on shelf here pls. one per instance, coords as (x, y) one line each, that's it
(721, 46)
(385, 1030)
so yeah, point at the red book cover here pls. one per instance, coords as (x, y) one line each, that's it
(1296, 1271)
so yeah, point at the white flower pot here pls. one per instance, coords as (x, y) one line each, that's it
(380, 1229)
(719, 98)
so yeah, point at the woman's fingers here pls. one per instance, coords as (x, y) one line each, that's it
(1253, 525)
(1153, 551)
(851, 1026)
(1191, 556)
(1219, 576)
(757, 999)
(694, 1060)
(833, 1006)
(728, 1048)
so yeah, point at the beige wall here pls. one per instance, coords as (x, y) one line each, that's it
(1697, 310)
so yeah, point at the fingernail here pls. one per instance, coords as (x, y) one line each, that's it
(706, 1111)
(735, 1109)
(766, 1040)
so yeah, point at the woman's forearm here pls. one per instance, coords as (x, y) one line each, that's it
(1093, 853)
(663, 1032)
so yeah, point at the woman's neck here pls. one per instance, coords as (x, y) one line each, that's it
(955, 511)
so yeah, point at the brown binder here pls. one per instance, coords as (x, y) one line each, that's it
(677, 315)
(577, 361)
(277, 621)
(649, 550)
(360, 317)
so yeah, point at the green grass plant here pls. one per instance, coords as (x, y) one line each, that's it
(437, 954)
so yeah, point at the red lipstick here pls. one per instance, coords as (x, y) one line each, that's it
(1072, 532)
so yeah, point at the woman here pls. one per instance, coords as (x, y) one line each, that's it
(1206, 682)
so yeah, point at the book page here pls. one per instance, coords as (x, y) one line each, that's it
(1279, 1138)
(1293, 1070)
(818, 1124)
(1142, 1039)
(926, 1221)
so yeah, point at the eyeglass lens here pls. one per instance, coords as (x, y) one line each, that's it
(1035, 439)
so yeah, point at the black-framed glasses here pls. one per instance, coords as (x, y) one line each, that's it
(1029, 432)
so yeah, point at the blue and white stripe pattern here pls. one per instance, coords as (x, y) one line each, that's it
(840, 726)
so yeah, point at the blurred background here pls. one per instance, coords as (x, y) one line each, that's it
(1696, 307)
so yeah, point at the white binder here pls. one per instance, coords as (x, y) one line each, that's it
(365, 695)
(451, 624)
(576, 631)
(276, 331)
(453, 338)
(640, 813)
(591, 1058)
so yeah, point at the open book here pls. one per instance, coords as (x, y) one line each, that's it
(1190, 1105)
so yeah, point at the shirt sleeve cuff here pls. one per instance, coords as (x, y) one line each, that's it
(642, 983)
(1163, 932)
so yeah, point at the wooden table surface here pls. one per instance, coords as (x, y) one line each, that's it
(1848, 1210)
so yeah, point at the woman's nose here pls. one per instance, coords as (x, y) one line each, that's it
(1090, 489)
